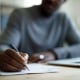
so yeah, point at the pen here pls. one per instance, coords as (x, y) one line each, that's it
(26, 56)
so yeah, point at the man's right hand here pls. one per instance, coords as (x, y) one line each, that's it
(10, 61)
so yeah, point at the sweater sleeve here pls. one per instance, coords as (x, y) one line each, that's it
(73, 39)
(11, 35)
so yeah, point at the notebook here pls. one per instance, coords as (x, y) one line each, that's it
(73, 62)
(33, 69)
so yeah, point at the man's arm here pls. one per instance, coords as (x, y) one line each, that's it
(73, 50)
(11, 36)
(73, 40)
(8, 57)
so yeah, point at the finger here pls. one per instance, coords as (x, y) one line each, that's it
(12, 62)
(34, 58)
(22, 54)
(15, 56)
(25, 56)
(8, 68)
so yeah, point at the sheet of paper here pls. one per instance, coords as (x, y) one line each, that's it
(34, 69)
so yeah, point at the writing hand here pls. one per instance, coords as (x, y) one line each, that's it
(10, 61)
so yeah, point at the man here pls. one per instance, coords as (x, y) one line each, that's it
(39, 31)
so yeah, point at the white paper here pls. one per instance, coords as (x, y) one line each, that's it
(33, 69)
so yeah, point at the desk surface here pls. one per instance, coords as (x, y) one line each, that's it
(65, 73)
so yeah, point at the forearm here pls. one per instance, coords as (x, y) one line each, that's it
(68, 52)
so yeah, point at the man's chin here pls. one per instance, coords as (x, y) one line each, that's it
(48, 13)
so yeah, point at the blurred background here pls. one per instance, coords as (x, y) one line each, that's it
(71, 7)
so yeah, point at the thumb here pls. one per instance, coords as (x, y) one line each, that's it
(25, 56)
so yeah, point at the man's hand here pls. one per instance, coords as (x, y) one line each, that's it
(48, 56)
(11, 61)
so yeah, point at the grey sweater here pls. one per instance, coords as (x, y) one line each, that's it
(30, 32)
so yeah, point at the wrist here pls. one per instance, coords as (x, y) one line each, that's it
(53, 53)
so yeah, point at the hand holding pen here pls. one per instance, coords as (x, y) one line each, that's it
(11, 61)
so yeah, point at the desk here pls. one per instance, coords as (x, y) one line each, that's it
(65, 73)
